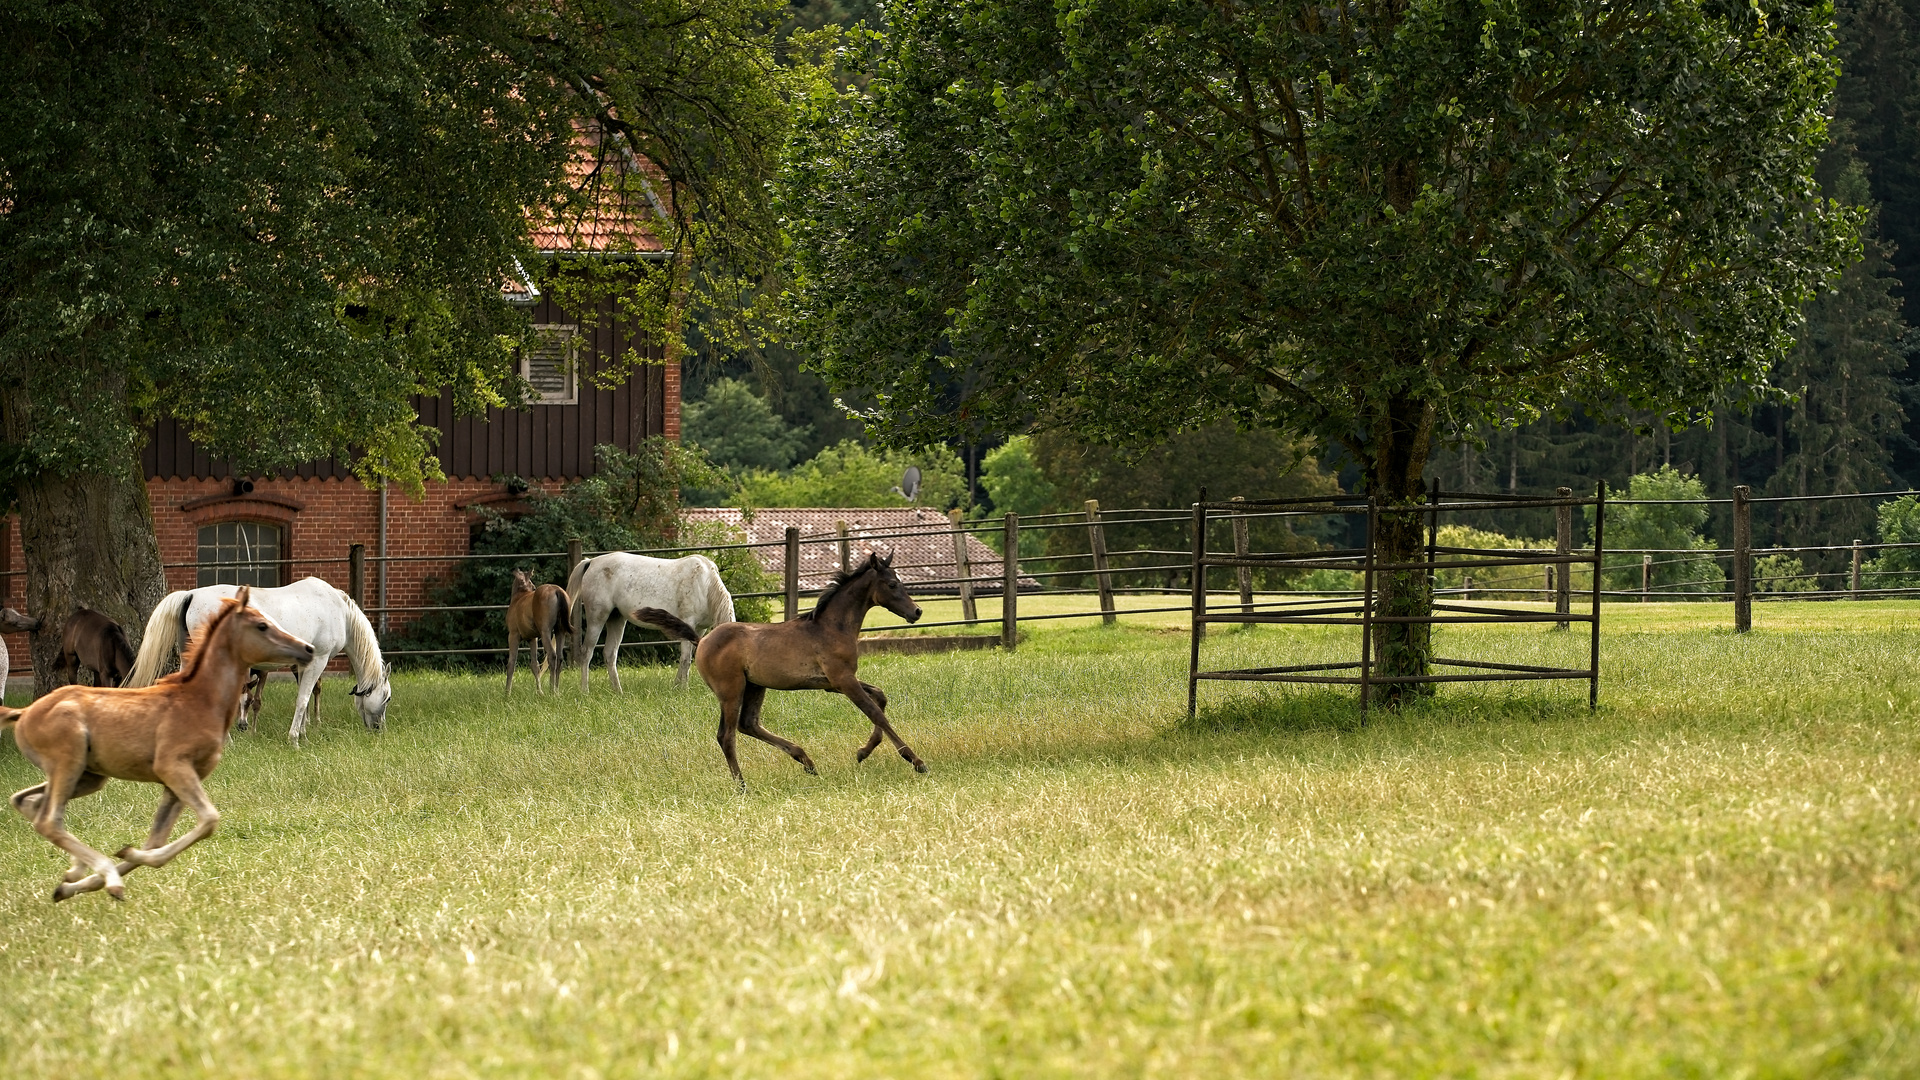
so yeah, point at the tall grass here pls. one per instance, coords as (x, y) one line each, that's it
(1712, 875)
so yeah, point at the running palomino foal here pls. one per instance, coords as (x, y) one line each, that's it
(818, 651)
(171, 733)
(537, 614)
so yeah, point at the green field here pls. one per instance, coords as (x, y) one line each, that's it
(1713, 875)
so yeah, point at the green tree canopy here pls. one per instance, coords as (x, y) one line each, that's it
(738, 429)
(1370, 223)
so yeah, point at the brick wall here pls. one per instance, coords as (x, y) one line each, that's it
(319, 519)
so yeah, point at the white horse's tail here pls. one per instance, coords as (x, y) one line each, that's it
(719, 600)
(166, 630)
(574, 600)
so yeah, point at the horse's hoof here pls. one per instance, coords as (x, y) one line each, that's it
(118, 892)
(60, 892)
(811, 771)
(919, 766)
(860, 755)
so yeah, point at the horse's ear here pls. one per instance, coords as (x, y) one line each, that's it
(241, 596)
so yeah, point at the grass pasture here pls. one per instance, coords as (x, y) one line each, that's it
(1713, 875)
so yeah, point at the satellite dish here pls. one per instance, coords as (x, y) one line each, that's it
(909, 488)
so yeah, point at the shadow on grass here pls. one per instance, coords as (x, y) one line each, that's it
(1274, 712)
(1283, 712)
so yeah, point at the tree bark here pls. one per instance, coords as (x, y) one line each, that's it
(88, 539)
(1402, 437)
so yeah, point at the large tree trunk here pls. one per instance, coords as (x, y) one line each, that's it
(1402, 436)
(88, 539)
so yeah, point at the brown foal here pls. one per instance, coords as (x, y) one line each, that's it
(171, 733)
(535, 613)
(818, 651)
(93, 640)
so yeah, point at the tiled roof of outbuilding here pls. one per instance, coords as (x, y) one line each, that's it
(919, 539)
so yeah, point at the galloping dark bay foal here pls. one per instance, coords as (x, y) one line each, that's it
(818, 651)
(93, 640)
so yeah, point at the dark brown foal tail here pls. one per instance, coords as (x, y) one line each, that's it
(666, 622)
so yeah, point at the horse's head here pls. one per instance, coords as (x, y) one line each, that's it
(521, 582)
(373, 700)
(258, 641)
(887, 590)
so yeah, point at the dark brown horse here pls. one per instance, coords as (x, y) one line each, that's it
(171, 733)
(535, 614)
(93, 640)
(818, 651)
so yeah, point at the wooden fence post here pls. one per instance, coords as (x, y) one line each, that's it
(1010, 584)
(1742, 559)
(846, 547)
(1855, 594)
(1199, 601)
(357, 573)
(1097, 540)
(792, 572)
(963, 567)
(1646, 577)
(576, 550)
(1243, 572)
(1563, 547)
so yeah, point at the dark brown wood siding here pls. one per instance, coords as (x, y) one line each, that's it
(540, 442)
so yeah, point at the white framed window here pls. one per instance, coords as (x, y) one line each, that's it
(240, 553)
(550, 364)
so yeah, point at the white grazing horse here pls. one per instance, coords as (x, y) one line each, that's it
(607, 588)
(11, 621)
(310, 609)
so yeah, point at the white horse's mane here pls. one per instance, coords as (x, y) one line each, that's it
(363, 647)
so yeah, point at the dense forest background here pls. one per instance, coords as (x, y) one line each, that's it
(1853, 423)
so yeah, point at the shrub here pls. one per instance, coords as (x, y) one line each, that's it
(1782, 574)
(1672, 528)
(850, 474)
(630, 502)
(1896, 568)
(1527, 579)
(1328, 580)
(1015, 484)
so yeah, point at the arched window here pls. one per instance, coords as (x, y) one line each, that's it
(240, 553)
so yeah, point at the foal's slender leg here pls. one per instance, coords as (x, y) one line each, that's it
(750, 703)
(183, 780)
(729, 725)
(856, 692)
(513, 657)
(551, 642)
(66, 779)
(164, 820)
(873, 741)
